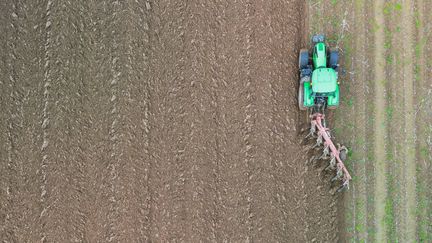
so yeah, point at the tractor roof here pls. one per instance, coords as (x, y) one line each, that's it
(324, 80)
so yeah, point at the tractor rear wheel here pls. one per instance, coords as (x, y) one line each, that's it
(303, 58)
(301, 97)
(334, 58)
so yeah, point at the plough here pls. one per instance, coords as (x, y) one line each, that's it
(336, 154)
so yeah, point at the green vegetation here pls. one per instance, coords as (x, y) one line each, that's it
(375, 26)
(424, 153)
(350, 102)
(390, 7)
(389, 112)
(389, 220)
(422, 208)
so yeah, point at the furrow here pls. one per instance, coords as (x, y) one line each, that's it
(248, 121)
(23, 76)
(202, 115)
(63, 170)
(116, 79)
(106, 41)
(47, 80)
(220, 95)
(135, 222)
(286, 166)
(8, 141)
(173, 142)
(73, 104)
(156, 148)
(216, 85)
(182, 131)
(231, 100)
(146, 206)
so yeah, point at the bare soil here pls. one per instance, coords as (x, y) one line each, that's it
(155, 121)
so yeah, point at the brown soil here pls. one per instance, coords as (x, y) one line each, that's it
(156, 121)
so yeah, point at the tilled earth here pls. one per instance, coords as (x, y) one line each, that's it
(126, 121)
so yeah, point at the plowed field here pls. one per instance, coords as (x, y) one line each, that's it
(155, 121)
(165, 121)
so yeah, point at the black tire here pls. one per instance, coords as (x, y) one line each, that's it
(301, 97)
(303, 58)
(333, 58)
(343, 155)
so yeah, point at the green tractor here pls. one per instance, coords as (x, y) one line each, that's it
(318, 91)
(319, 86)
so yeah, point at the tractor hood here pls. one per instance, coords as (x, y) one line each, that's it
(324, 80)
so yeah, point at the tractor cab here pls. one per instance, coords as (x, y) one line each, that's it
(325, 89)
(324, 80)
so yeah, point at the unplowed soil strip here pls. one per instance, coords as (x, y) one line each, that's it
(423, 99)
(399, 160)
(379, 123)
(394, 87)
(360, 67)
(409, 149)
